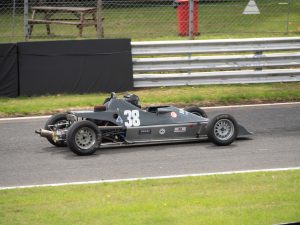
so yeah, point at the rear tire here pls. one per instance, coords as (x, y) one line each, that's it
(222, 129)
(82, 137)
(197, 111)
(53, 120)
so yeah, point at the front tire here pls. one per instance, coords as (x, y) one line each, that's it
(197, 111)
(222, 129)
(82, 137)
(56, 119)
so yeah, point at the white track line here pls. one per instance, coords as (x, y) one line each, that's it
(24, 118)
(253, 105)
(151, 178)
(211, 107)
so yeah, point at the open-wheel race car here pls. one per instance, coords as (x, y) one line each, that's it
(122, 121)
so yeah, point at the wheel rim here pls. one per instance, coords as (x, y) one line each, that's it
(85, 138)
(224, 129)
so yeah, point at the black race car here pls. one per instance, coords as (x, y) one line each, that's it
(124, 122)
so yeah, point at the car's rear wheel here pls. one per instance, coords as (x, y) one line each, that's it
(197, 111)
(57, 120)
(222, 129)
(83, 137)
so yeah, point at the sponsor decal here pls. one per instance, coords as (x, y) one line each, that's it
(162, 131)
(145, 131)
(174, 114)
(181, 111)
(119, 120)
(179, 129)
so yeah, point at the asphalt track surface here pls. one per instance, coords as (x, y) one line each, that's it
(27, 159)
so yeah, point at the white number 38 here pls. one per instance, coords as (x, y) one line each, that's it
(133, 117)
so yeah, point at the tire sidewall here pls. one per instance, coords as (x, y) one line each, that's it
(195, 109)
(71, 137)
(211, 134)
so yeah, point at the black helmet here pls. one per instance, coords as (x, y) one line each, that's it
(133, 99)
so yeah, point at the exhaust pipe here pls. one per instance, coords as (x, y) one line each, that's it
(44, 133)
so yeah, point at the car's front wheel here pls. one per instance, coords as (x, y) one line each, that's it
(197, 111)
(83, 137)
(222, 129)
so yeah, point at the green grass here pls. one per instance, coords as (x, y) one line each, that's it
(156, 22)
(206, 95)
(242, 199)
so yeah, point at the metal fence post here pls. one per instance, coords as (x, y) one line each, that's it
(100, 33)
(288, 17)
(14, 19)
(26, 34)
(191, 19)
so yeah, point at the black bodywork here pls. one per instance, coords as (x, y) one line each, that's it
(123, 121)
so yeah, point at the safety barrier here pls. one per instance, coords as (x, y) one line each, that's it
(176, 63)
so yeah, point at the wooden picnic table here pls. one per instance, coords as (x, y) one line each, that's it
(85, 16)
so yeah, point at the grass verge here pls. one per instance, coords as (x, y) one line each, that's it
(158, 21)
(254, 198)
(180, 96)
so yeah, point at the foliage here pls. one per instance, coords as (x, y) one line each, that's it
(254, 199)
(206, 95)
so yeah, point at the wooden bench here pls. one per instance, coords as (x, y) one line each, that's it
(47, 12)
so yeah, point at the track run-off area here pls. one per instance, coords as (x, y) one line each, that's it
(29, 160)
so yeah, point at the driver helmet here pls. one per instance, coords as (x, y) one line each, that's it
(133, 99)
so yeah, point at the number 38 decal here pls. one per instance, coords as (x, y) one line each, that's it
(133, 117)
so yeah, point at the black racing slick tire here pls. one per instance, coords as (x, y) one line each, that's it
(56, 119)
(222, 129)
(197, 111)
(83, 137)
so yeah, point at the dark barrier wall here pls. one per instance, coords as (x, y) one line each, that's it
(8, 70)
(75, 66)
